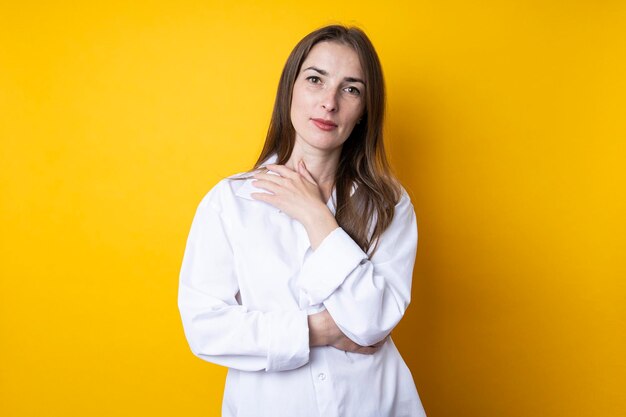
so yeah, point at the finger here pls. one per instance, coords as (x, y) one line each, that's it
(282, 170)
(266, 197)
(269, 177)
(379, 344)
(267, 185)
(305, 172)
(348, 345)
(367, 350)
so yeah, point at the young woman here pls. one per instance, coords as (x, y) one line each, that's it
(295, 273)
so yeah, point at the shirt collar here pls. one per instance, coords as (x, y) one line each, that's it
(246, 188)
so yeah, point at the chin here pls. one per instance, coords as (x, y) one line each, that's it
(325, 144)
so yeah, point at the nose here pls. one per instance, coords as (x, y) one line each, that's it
(329, 101)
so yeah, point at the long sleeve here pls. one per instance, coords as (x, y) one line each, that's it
(365, 297)
(217, 327)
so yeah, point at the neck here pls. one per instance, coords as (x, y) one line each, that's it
(321, 164)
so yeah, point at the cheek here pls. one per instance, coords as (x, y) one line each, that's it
(297, 104)
(295, 114)
(356, 112)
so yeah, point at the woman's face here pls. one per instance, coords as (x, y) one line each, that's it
(328, 96)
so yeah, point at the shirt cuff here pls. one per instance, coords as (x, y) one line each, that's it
(326, 268)
(288, 340)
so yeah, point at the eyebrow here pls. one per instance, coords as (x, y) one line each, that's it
(348, 79)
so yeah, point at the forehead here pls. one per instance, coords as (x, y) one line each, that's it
(334, 57)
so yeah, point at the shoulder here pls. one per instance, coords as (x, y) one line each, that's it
(404, 203)
(404, 218)
(226, 191)
(234, 187)
(405, 198)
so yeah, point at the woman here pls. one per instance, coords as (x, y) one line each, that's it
(294, 274)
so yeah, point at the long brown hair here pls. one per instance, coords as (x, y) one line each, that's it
(365, 213)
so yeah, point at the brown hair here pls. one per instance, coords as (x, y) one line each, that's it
(366, 213)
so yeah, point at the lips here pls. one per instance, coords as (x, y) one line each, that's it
(326, 125)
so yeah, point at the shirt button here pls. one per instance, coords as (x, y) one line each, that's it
(321, 376)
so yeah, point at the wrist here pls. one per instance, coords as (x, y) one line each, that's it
(318, 212)
(319, 225)
(318, 329)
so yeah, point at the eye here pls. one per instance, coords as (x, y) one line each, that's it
(352, 90)
(313, 79)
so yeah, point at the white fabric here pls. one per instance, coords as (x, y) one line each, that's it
(248, 281)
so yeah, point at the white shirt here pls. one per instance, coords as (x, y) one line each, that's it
(249, 279)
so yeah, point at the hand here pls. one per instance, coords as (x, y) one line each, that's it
(323, 331)
(298, 195)
(295, 194)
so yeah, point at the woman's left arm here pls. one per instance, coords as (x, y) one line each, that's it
(366, 297)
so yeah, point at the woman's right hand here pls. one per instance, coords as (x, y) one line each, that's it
(323, 331)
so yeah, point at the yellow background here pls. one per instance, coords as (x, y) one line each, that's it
(506, 124)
